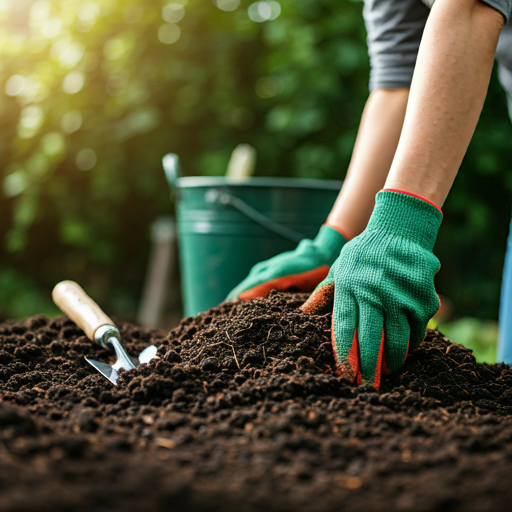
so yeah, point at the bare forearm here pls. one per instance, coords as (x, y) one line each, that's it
(447, 94)
(373, 153)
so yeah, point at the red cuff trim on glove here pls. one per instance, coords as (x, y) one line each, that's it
(413, 195)
(339, 230)
(305, 282)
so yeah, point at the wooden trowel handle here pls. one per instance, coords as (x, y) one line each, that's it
(74, 302)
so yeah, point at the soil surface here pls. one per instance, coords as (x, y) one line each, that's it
(243, 412)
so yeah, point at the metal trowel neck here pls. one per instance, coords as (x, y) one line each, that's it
(103, 334)
(109, 337)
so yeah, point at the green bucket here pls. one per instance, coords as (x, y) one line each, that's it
(226, 226)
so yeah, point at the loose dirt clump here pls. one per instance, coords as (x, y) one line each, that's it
(243, 411)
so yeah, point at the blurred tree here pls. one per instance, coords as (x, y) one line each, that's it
(94, 92)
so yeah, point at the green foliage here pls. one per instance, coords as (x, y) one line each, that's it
(94, 92)
(97, 92)
(20, 296)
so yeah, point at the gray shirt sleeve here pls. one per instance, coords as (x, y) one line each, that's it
(503, 6)
(394, 29)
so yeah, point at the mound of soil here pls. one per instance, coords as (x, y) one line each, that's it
(243, 411)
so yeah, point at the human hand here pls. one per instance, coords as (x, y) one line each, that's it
(381, 288)
(302, 268)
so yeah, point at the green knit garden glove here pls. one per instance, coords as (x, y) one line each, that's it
(381, 288)
(302, 268)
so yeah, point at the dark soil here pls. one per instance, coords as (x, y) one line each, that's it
(243, 412)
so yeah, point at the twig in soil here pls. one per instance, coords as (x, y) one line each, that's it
(234, 353)
(204, 347)
(259, 317)
(243, 330)
(262, 345)
(464, 364)
(454, 380)
(199, 353)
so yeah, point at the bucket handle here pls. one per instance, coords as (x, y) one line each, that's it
(223, 197)
(172, 168)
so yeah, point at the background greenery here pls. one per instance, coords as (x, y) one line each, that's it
(94, 93)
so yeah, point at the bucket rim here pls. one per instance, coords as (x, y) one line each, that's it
(258, 181)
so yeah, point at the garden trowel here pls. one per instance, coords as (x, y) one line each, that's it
(98, 327)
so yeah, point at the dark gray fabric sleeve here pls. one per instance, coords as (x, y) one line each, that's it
(503, 6)
(394, 30)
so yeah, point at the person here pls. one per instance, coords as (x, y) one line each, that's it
(431, 64)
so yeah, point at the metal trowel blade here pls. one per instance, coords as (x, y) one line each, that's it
(105, 369)
(110, 371)
(147, 354)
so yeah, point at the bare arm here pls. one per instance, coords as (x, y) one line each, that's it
(447, 94)
(449, 87)
(375, 147)
(382, 285)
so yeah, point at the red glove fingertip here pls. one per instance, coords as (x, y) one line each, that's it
(348, 369)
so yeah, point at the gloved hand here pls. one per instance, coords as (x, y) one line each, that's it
(302, 268)
(382, 288)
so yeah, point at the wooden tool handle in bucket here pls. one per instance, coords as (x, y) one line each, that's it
(79, 307)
